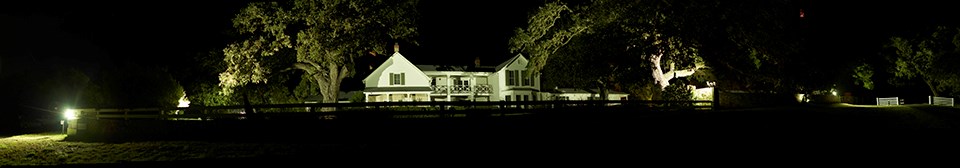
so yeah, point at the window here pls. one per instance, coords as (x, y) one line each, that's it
(511, 78)
(526, 98)
(526, 78)
(397, 79)
(517, 97)
(506, 98)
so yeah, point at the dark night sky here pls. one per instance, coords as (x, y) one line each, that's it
(163, 31)
(87, 33)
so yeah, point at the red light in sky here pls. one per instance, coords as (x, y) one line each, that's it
(801, 13)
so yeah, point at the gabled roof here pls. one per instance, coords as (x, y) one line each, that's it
(396, 58)
(505, 63)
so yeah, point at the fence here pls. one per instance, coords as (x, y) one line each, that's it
(356, 121)
(888, 101)
(393, 109)
(942, 101)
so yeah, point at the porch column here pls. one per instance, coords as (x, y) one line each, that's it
(473, 89)
(366, 97)
(449, 87)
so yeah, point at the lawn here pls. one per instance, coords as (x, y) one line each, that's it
(776, 128)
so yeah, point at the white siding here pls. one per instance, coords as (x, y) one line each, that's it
(520, 64)
(397, 64)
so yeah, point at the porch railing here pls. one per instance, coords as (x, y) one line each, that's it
(461, 89)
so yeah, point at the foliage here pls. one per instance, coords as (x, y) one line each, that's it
(678, 92)
(356, 97)
(131, 85)
(328, 35)
(927, 57)
(199, 80)
(627, 44)
(863, 76)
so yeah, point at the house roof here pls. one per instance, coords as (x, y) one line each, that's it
(396, 58)
(397, 89)
(456, 68)
(505, 63)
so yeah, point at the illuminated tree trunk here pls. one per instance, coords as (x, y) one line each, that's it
(328, 79)
(662, 79)
(658, 77)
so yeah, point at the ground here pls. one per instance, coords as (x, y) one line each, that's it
(769, 132)
(50, 149)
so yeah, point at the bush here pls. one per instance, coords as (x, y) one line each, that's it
(677, 92)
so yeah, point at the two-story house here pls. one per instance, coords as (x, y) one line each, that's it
(397, 79)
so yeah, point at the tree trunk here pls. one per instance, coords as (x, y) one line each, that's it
(930, 85)
(602, 89)
(658, 78)
(329, 90)
(329, 83)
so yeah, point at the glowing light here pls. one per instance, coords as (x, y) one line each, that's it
(834, 93)
(70, 114)
(801, 13)
(183, 102)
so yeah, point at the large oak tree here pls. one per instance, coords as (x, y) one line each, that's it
(746, 41)
(327, 35)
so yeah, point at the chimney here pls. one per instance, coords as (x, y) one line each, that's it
(396, 47)
(476, 62)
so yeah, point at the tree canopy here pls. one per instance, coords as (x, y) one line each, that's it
(327, 36)
(749, 43)
(929, 57)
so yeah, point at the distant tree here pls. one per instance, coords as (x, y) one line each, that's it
(609, 43)
(863, 76)
(930, 57)
(328, 35)
(199, 78)
(747, 41)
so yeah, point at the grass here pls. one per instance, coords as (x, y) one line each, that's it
(50, 149)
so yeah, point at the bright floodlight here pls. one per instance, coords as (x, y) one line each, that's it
(183, 102)
(70, 114)
(834, 93)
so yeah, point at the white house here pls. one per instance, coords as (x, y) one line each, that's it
(399, 80)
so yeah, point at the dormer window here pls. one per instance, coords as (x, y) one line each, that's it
(397, 79)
